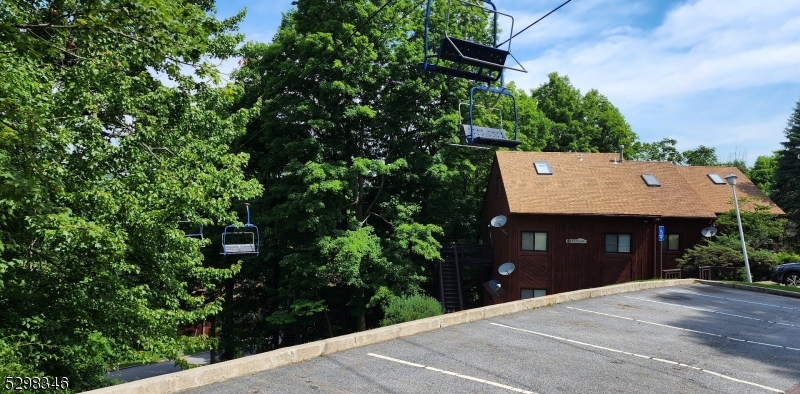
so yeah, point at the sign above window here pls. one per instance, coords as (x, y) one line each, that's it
(576, 241)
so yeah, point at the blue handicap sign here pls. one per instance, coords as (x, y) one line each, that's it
(660, 233)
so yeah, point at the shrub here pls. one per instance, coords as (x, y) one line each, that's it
(408, 308)
(786, 257)
(725, 251)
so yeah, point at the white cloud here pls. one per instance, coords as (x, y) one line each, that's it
(710, 44)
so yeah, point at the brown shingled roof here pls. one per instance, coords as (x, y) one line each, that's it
(592, 184)
(719, 197)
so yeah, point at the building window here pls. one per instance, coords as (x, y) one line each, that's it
(671, 242)
(531, 293)
(534, 241)
(618, 243)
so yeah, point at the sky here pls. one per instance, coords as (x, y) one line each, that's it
(719, 73)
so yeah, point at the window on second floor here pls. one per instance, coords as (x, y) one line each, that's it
(534, 241)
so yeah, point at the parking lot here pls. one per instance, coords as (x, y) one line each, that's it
(683, 339)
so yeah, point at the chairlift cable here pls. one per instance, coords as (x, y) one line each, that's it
(535, 22)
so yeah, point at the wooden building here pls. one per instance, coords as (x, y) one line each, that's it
(582, 220)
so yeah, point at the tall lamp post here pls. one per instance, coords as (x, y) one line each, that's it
(732, 181)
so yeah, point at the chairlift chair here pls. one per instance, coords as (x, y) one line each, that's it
(475, 135)
(241, 240)
(193, 232)
(467, 59)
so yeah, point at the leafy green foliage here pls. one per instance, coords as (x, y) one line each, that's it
(98, 161)
(763, 232)
(580, 123)
(409, 308)
(786, 182)
(700, 156)
(763, 172)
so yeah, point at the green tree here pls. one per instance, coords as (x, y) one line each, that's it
(786, 183)
(661, 150)
(763, 233)
(763, 172)
(588, 123)
(348, 145)
(99, 160)
(700, 156)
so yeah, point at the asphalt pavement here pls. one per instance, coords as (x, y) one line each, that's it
(156, 369)
(686, 339)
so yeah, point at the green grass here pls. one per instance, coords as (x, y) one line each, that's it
(768, 286)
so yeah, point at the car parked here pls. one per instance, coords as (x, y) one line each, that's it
(788, 274)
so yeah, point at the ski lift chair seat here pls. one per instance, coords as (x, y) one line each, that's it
(472, 54)
(239, 249)
(488, 136)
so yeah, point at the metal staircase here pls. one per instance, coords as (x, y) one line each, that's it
(455, 287)
(450, 281)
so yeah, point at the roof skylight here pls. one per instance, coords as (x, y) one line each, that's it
(650, 180)
(716, 179)
(543, 168)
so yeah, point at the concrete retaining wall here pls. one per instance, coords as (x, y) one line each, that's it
(214, 373)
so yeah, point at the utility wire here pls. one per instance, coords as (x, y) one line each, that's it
(537, 21)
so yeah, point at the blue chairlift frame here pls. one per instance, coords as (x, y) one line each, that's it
(490, 60)
(198, 234)
(241, 248)
(486, 136)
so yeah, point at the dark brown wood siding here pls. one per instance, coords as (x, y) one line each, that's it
(573, 266)
(689, 231)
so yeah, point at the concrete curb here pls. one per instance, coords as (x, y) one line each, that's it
(213, 373)
(784, 293)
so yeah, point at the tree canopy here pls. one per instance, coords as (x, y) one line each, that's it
(99, 160)
(786, 181)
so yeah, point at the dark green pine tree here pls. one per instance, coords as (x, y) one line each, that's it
(786, 183)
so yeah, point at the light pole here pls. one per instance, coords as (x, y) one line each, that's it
(732, 181)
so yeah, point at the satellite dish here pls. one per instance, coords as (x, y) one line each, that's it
(494, 288)
(709, 232)
(499, 221)
(506, 268)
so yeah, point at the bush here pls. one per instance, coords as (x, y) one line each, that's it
(786, 257)
(403, 309)
(725, 251)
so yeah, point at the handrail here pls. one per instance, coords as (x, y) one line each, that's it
(458, 279)
(441, 282)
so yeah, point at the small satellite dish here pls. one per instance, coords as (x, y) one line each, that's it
(709, 232)
(499, 221)
(494, 288)
(506, 268)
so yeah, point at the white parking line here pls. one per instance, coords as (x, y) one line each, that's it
(712, 311)
(737, 300)
(479, 380)
(642, 356)
(683, 329)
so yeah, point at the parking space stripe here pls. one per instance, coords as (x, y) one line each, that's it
(737, 300)
(712, 311)
(458, 375)
(638, 355)
(682, 329)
